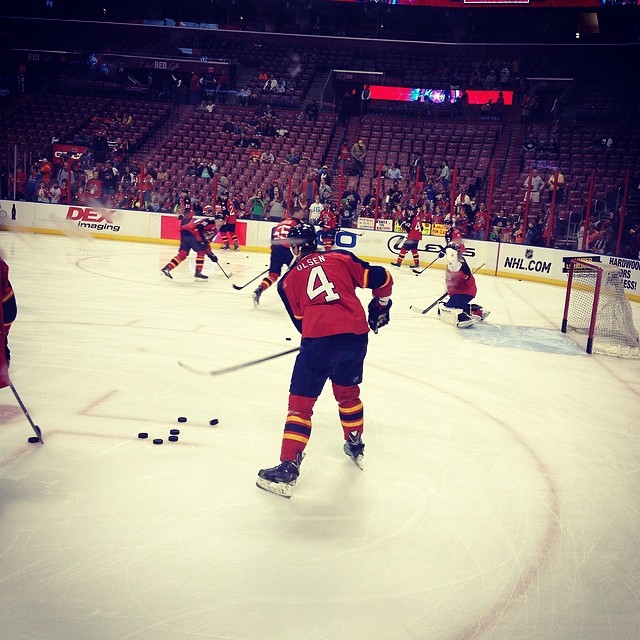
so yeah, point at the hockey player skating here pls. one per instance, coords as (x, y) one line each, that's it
(195, 235)
(319, 293)
(329, 226)
(280, 254)
(461, 289)
(228, 230)
(413, 226)
(8, 312)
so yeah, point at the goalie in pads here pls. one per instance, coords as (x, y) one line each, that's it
(461, 289)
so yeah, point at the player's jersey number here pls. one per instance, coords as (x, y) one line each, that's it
(318, 284)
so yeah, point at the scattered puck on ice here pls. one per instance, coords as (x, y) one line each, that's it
(142, 435)
(287, 338)
(182, 419)
(33, 439)
(175, 432)
(173, 438)
(213, 422)
(157, 441)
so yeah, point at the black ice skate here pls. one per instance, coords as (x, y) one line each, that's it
(354, 448)
(256, 296)
(200, 275)
(167, 272)
(280, 479)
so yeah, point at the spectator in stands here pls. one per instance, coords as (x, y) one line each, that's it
(358, 155)
(324, 191)
(308, 189)
(228, 126)
(393, 172)
(81, 196)
(163, 175)
(94, 186)
(42, 195)
(243, 96)
(267, 157)
(204, 170)
(534, 184)
(242, 141)
(109, 177)
(120, 198)
(277, 207)
(394, 195)
(258, 205)
(293, 157)
(445, 176)
(315, 209)
(350, 201)
(372, 201)
(559, 185)
(311, 111)
(55, 192)
(533, 235)
(223, 182)
(323, 172)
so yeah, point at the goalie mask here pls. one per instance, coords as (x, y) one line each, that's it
(452, 255)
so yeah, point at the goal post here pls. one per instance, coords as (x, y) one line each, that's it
(596, 306)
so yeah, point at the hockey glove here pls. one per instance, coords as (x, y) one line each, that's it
(213, 257)
(442, 253)
(378, 314)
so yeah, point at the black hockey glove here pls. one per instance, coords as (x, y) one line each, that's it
(378, 314)
(442, 252)
(213, 257)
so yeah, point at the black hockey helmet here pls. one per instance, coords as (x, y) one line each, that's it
(303, 235)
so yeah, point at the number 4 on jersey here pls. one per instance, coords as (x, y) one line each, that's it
(318, 283)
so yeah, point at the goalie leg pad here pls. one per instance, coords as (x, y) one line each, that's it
(455, 316)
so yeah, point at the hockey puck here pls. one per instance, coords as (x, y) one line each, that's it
(157, 441)
(142, 435)
(33, 440)
(182, 419)
(289, 339)
(213, 422)
(173, 438)
(175, 432)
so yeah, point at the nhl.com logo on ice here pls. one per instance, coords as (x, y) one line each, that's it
(97, 220)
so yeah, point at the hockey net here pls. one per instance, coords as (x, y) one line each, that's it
(596, 306)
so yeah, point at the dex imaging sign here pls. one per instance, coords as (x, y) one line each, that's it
(93, 219)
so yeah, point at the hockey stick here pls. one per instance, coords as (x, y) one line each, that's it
(238, 287)
(34, 426)
(217, 372)
(423, 270)
(433, 304)
(442, 297)
(228, 275)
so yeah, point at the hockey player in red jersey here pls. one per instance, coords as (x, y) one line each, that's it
(228, 229)
(8, 312)
(195, 235)
(413, 226)
(461, 288)
(319, 293)
(280, 253)
(330, 226)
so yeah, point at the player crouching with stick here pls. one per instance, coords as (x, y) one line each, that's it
(461, 289)
(319, 293)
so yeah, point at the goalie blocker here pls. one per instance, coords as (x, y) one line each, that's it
(461, 289)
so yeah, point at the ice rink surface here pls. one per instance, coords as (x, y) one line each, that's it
(500, 497)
